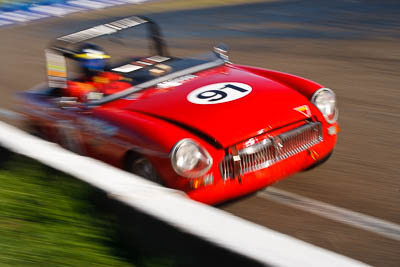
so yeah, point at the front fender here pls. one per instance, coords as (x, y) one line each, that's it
(302, 85)
(154, 138)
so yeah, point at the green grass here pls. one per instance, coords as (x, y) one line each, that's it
(46, 219)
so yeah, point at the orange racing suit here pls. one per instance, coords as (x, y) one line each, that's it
(105, 83)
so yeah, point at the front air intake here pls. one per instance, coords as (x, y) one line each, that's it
(272, 150)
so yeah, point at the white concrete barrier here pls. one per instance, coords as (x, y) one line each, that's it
(173, 207)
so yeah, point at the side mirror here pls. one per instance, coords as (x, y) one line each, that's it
(221, 51)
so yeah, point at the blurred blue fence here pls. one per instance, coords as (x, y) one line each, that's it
(9, 6)
(23, 11)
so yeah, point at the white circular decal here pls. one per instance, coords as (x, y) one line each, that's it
(219, 93)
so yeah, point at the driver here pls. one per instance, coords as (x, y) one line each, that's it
(92, 59)
(93, 62)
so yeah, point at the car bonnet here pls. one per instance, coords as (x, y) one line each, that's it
(227, 104)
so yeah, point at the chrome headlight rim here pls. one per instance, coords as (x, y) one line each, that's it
(336, 111)
(176, 168)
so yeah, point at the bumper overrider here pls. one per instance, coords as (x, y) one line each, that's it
(265, 159)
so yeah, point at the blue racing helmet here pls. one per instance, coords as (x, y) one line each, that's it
(92, 58)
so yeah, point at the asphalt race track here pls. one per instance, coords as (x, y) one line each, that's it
(349, 46)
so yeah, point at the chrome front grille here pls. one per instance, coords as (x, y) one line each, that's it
(269, 151)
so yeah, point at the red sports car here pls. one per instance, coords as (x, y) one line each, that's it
(213, 129)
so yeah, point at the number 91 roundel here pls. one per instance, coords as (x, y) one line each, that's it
(219, 93)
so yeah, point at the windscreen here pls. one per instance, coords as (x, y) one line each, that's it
(143, 69)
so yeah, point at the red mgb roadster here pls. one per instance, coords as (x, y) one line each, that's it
(211, 128)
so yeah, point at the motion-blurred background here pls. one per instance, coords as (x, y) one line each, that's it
(349, 46)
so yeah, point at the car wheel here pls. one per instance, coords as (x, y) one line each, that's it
(142, 167)
(33, 129)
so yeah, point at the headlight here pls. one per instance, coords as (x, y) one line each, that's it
(189, 159)
(325, 100)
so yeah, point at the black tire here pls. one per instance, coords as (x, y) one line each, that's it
(142, 167)
(33, 129)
